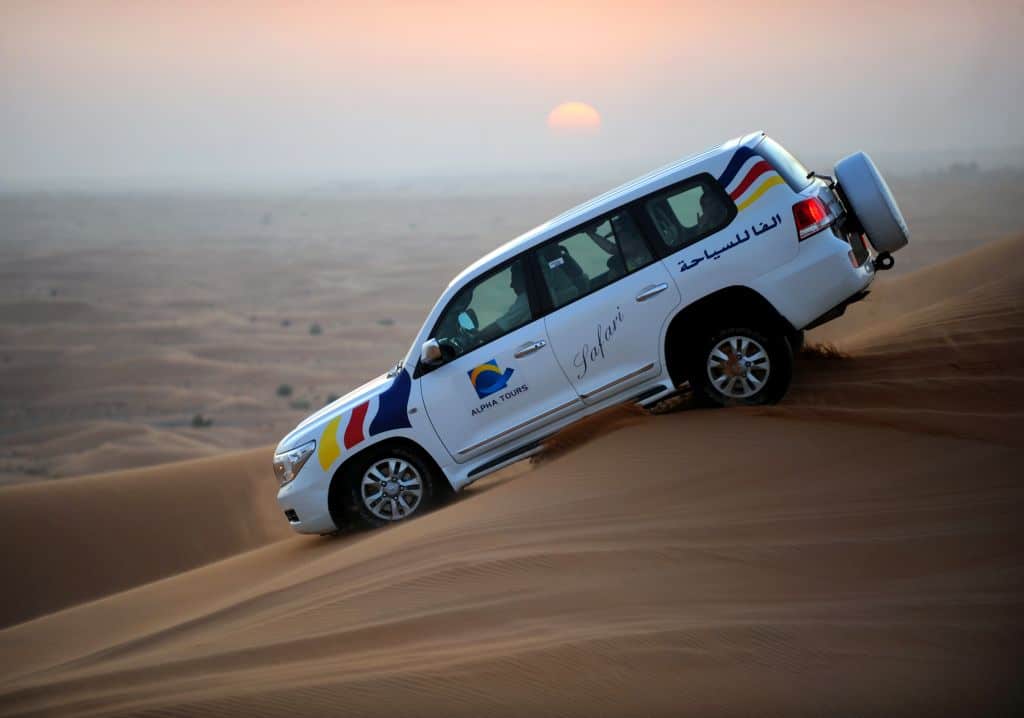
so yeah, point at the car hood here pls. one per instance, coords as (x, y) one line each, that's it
(310, 427)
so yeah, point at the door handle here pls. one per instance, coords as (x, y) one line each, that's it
(529, 348)
(651, 291)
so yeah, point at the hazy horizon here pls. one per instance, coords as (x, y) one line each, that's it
(255, 94)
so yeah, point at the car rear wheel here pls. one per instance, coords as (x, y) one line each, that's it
(741, 366)
(391, 485)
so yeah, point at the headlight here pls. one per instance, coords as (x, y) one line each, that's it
(287, 465)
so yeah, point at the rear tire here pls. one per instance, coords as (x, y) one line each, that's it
(741, 366)
(392, 485)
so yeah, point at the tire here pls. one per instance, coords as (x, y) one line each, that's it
(377, 499)
(796, 341)
(871, 202)
(718, 378)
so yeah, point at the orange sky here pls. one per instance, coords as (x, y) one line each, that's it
(244, 90)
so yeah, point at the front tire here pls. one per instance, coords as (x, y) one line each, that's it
(741, 366)
(392, 485)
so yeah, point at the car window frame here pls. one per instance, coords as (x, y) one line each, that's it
(531, 293)
(663, 249)
(544, 290)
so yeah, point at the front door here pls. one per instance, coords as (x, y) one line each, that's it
(500, 380)
(610, 300)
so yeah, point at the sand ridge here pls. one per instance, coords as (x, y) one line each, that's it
(939, 351)
(74, 540)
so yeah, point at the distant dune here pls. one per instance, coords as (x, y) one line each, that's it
(855, 550)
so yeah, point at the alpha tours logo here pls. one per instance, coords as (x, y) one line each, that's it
(490, 381)
(488, 378)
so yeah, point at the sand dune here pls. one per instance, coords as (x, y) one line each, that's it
(695, 562)
(74, 540)
(940, 350)
(625, 577)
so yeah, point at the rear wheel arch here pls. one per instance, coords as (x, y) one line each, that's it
(338, 494)
(726, 307)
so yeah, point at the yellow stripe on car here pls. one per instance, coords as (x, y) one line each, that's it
(774, 181)
(328, 449)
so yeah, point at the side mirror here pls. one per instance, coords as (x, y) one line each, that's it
(468, 321)
(430, 352)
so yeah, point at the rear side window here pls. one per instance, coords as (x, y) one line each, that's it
(690, 211)
(784, 163)
(591, 257)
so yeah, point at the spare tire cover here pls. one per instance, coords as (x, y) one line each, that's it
(872, 202)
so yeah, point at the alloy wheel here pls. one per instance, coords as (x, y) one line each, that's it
(392, 489)
(738, 367)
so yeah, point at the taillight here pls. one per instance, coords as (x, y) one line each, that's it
(811, 216)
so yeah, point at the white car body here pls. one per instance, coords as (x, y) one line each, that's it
(604, 348)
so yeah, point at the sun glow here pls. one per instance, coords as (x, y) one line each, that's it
(575, 117)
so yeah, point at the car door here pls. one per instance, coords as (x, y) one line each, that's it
(709, 241)
(499, 380)
(609, 301)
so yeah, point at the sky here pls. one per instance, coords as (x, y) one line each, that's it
(141, 93)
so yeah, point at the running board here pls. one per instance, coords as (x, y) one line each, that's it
(653, 391)
(534, 447)
(507, 458)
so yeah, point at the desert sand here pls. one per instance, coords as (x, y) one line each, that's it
(855, 550)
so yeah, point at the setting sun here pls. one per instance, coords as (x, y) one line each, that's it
(574, 116)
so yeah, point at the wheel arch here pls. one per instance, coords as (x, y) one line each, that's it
(336, 493)
(730, 304)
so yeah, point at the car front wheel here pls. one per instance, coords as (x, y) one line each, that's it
(392, 485)
(741, 366)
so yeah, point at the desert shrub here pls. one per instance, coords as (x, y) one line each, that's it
(299, 404)
(201, 422)
(315, 329)
(331, 398)
(386, 322)
(286, 322)
(284, 390)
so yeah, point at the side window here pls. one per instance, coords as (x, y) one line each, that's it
(684, 214)
(485, 310)
(591, 257)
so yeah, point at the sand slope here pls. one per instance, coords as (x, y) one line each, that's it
(73, 540)
(940, 351)
(704, 563)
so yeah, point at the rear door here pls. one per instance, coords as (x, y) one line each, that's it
(500, 380)
(711, 240)
(609, 300)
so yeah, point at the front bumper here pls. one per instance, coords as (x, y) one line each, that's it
(306, 497)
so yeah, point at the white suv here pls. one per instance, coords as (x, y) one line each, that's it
(704, 272)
